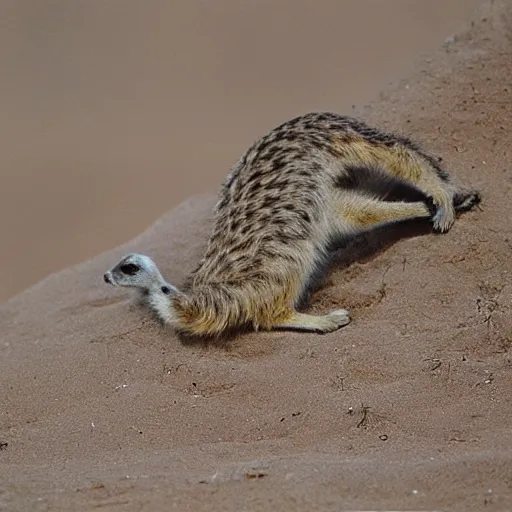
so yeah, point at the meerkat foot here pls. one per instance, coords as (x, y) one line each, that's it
(444, 215)
(338, 318)
(443, 218)
(442, 209)
(318, 324)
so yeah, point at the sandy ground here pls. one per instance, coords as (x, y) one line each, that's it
(114, 112)
(408, 407)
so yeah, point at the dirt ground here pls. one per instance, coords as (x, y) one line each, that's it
(406, 408)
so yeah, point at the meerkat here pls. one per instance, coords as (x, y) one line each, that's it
(295, 191)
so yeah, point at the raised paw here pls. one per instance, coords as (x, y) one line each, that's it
(443, 219)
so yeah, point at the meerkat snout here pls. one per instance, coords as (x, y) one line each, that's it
(106, 278)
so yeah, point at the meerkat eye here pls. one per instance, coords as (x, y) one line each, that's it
(130, 269)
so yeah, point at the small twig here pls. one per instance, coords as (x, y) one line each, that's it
(436, 366)
(364, 420)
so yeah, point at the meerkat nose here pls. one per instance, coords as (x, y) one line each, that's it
(106, 278)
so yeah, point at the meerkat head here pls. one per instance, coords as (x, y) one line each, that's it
(138, 271)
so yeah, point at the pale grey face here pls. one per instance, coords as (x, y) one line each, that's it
(136, 271)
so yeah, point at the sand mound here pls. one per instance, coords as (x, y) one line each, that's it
(407, 407)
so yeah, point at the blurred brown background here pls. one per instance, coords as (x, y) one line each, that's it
(114, 111)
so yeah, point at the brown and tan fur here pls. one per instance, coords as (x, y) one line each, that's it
(293, 193)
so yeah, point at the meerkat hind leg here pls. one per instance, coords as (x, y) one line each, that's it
(365, 212)
(413, 167)
(426, 178)
(319, 324)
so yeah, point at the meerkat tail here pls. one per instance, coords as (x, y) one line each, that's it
(212, 309)
(465, 200)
